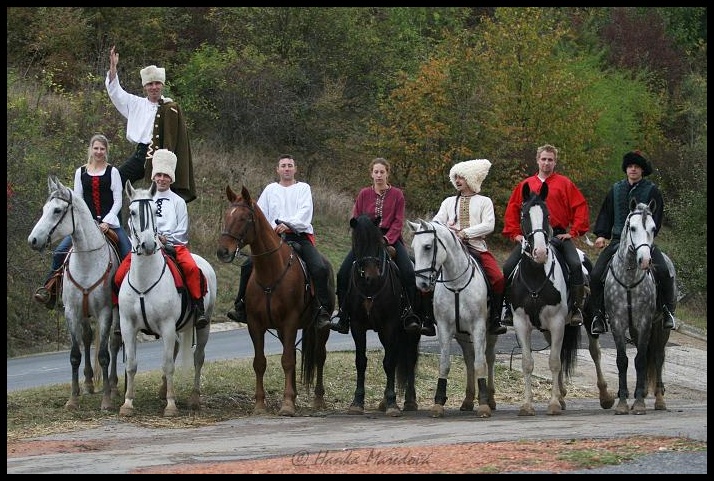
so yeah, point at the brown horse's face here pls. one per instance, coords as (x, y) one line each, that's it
(238, 225)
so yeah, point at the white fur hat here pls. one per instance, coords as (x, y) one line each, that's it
(474, 171)
(164, 162)
(152, 73)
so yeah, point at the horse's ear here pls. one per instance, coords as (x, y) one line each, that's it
(153, 189)
(413, 226)
(230, 195)
(52, 182)
(245, 194)
(128, 189)
(543, 191)
(353, 222)
(525, 191)
(652, 205)
(633, 204)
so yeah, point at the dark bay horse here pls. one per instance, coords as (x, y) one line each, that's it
(375, 300)
(279, 296)
(631, 307)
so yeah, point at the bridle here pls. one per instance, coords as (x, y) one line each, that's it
(146, 221)
(248, 226)
(529, 233)
(436, 275)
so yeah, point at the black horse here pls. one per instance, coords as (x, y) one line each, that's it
(375, 300)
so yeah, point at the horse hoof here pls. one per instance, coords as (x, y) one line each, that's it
(437, 411)
(411, 406)
(355, 409)
(526, 411)
(394, 412)
(484, 412)
(467, 406)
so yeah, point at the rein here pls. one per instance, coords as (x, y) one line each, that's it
(88, 290)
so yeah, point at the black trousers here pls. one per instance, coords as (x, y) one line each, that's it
(133, 168)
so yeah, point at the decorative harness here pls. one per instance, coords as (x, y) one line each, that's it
(436, 275)
(85, 290)
(625, 258)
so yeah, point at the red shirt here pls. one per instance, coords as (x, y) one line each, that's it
(567, 206)
(392, 210)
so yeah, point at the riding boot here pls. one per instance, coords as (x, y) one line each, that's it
(668, 303)
(411, 321)
(50, 291)
(428, 326)
(507, 317)
(576, 313)
(237, 314)
(201, 320)
(598, 326)
(323, 316)
(494, 323)
(340, 322)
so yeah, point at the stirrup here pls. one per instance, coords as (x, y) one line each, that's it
(599, 321)
(667, 319)
(340, 322)
(576, 321)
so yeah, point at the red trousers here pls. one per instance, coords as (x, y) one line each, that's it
(491, 269)
(185, 261)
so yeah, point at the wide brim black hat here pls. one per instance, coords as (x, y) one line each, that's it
(637, 159)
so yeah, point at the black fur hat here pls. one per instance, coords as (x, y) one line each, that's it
(635, 157)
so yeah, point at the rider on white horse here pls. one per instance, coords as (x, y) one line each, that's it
(470, 216)
(172, 227)
(609, 224)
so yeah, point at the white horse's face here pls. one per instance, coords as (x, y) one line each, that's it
(428, 257)
(142, 223)
(640, 231)
(537, 236)
(56, 221)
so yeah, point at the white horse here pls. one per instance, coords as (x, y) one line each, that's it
(539, 299)
(443, 264)
(150, 301)
(87, 287)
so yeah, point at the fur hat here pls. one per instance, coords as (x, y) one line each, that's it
(474, 171)
(152, 73)
(635, 157)
(164, 162)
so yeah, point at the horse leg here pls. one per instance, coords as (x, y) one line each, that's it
(168, 367)
(491, 366)
(360, 339)
(638, 407)
(127, 409)
(607, 399)
(389, 364)
(480, 369)
(115, 343)
(412, 355)
(288, 361)
(467, 348)
(87, 336)
(437, 410)
(199, 357)
(622, 362)
(75, 358)
(259, 364)
(556, 403)
(318, 402)
(103, 354)
(524, 339)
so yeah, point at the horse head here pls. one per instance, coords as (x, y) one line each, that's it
(54, 223)
(639, 231)
(368, 246)
(142, 219)
(535, 224)
(428, 258)
(239, 224)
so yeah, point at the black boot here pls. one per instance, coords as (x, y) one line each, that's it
(599, 326)
(494, 323)
(201, 319)
(667, 318)
(411, 321)
(507, 317)
(428, 325)
(340, 322)
(576, 313)
(237, 314)
(323, 318)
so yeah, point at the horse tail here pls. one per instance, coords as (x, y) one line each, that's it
(569, 350)
(185, 339)
(407, 357)
(655, 355)
(311, 351)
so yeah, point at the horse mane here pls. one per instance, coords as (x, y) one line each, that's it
(366, 237)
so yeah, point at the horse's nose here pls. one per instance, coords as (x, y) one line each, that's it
(223, 254)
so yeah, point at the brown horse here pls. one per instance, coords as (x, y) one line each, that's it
(279, 296)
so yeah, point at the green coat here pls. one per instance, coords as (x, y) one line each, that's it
(170, 133)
